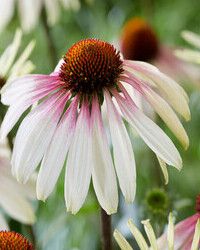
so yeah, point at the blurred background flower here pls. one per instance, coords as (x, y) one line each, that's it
(30, 11)
(139, 41)
(15, 198)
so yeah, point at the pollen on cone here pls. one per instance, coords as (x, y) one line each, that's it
(14, 241)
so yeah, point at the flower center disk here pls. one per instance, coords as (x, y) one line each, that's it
(91, 65)
(14, 241)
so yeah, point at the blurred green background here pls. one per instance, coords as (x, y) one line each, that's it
(56, 229)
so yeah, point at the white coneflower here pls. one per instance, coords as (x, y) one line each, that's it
(14, 197)
(29, 11)
(9, 68)
(67, 123)
(184, 235)
(139, 41)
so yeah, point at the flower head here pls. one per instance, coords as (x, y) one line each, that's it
(14, 197)
(14, 241)
(67, 123)
(139, 41)
(10, 69)
(184, 235)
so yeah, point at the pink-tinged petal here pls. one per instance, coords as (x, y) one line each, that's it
(167, 86)
(28, 85)
(79, 163)
(153, 136)
(14, 203)
(3, 223)
(103, 174)
(23, 98)
(34, 135)
(184, 231)
(54, 158)
(123, 152)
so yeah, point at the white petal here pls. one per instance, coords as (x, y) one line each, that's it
(196, 239)
(103, 174)
(34, 136)
(168, 116)
(192, 38)
(52, 9)
(122, 242)
(79, 163)
(6, 12)
(138, 236)
(8, 56)
(170, 232)
(14, 203)
(53, 160)
(12, 116)
(123, 152)
(29, 13)
(153, 136)
(3, 224)
(150, 234)
(188, 55)
(22, 59)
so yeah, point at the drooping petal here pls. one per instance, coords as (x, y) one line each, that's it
(103, 174)
(173, 92)
(29, 84)
(3, 224)
(21, 98)
(123, 152)
(150, 234)
(21, 60)
(79, 163)
(37, 127)
(196, 238)
(54, 158)
(184, 231)
(188, 55)
(29, 13)
(14, 204)
(6, 12)
(122, 242)
(168, 116)
(52, 8)
(153, 136)
(170, 232)
(163, 167)
(192, 38)
(137, 235)
(8, 56)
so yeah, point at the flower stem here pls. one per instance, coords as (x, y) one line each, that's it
(106, 230)
(49, 38)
